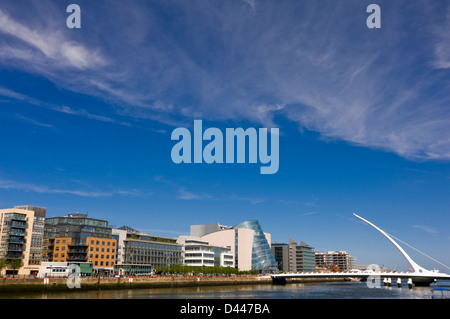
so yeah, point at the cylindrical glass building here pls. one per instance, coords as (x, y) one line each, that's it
(262, 257)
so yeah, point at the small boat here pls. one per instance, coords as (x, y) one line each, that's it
(440, 293)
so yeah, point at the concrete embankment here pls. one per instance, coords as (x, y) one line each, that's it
(92, 283)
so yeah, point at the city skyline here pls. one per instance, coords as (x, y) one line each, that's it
(363, 115)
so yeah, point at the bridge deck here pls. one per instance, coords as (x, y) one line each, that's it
(415, 278)
(402, 275)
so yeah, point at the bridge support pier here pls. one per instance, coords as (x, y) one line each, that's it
(410, 283)
(399, 282)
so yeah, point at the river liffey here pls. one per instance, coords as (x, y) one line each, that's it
(338, 290)
(237, 301)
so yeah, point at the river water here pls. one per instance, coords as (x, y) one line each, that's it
(337, 290)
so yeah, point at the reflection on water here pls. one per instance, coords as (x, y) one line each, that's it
(348, 290)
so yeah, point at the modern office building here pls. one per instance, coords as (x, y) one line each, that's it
(36, 236)
(79, 238)
(292, 257)
(247, 242)
(197, 252)
(281, 255)
(305, 258)
(21, 233)
(341, 260)
(141, 253)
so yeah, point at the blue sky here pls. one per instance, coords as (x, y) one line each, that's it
(364, 116)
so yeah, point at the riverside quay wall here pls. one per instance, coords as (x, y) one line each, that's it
(10, 285)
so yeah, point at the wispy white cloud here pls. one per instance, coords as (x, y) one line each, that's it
(181, 191)
(185, 194)
(308, 213)
(58, 108)
(43, 189)
(84, 113)
(53, 45)
(18, 96)
(320, 67)
(251, 200)
(33, 121)
(442, 42)
(428, 229)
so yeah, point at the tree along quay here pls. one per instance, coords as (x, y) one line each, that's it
(12, 285)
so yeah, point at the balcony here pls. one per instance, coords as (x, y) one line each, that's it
(77, 258)
(77, 251)
(17, 233)
(79, 244)
(17, 217)
(15, 241)
(15, 248)
(11, 255)
(14, 224)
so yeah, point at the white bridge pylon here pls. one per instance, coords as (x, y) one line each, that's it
(416, 268)
(419, 275)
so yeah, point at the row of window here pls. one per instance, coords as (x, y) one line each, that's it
(138, 244)
(102, 250)
(205, 255)
(96, 242)
(106, 263)
(199, 261)
(101, 256)
(90, 256)
(103, 242)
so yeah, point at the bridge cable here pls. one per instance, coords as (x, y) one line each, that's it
(420, 252)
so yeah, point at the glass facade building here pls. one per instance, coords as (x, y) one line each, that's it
(262, 257)
(292, 257)
(306, 258)
(141, 253)
(78, 238)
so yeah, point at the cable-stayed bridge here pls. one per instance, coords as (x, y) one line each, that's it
(419, 276)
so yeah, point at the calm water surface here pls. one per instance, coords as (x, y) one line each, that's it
(347, 290)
